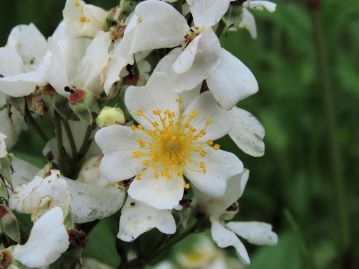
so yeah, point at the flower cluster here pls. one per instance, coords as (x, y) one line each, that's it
(138, 97)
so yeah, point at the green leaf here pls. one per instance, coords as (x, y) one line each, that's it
(102, 242)
(10, 227)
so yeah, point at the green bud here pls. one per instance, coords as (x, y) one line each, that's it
(110, 116)
(83, 103)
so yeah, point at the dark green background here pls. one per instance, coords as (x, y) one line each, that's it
(297, 174)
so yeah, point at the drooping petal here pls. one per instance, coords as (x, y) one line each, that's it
(260, 5)
(89, 70)
(216, 206)
(23, 173)
(91, 202)
(185, 60)
(84, 19)
(232, 81)
(208, 12)
(12, 122)
(29, 43)
(247, 132)
(155, 95)
(258, 233)
(10, 62)
(120, 57)
(220, 166)
(118, 144)
(208, 109)
(206, 61)
(3, 151)
(67, 51)
(248, 22)
(160, 193)
(138, 218)
(165, 30)
(226, 238)
(47, 241)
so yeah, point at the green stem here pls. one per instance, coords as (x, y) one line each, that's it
(336, 166)
(140, 262)
(35, 125)
(59, 140)
(86, 143)
(70, 137)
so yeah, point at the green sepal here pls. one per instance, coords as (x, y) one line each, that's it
(9, 226)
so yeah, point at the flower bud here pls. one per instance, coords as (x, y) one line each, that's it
(83, 104)
(5, 258)
(110, 116)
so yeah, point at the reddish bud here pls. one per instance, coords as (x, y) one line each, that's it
(3, 211)
(77, 96)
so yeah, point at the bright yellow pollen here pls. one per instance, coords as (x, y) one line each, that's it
(77, 4)
(172, 145)
(83, 19)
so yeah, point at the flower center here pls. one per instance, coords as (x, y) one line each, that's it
(193, 32)
(172, 145)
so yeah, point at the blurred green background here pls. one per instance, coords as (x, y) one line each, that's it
(306, 61)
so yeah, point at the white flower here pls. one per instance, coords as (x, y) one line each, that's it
(201, 48)
(23, 61)
(248, 21)
(84, 19)
(3, 151)
(12, 122)
(47, 241)
(225, 234)
(138, 218)
(168, 144)
(230, 82)
(77, 62)
(87, 202)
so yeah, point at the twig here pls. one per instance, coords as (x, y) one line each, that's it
(35, 125)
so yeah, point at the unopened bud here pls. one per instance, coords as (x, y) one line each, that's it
(5, 258)
(110, 116)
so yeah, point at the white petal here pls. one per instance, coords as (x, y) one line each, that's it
(21, 84)
(29, 42)
(232, 81)
(3, 151)
(23, 173)
(187, 57)
(161, 193)
(206, 61)
(216, 206)
(67, 51)
(88, 76)
(155, 95)
(207, 108)
(53, 187)
(47, 241)
(118, 144)
(10, 62)
(120, 57)
(247, 132)
(138, 218)
(84, 19)
(12, 122)
(90, 173)
(165, 30)
(258, 233)
(226, 238)
(220, 166)
(91, 202)
(208, 12)
(248, 22)
(261, 5)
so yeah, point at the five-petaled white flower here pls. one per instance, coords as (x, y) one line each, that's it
(169, 143)
(225, 234)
